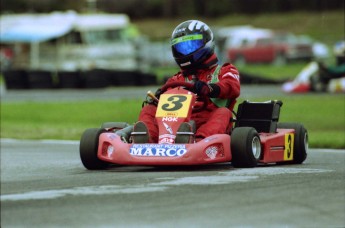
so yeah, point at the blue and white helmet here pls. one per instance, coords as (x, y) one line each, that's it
(192, 42)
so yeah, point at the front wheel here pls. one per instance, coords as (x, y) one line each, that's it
(88, 149)
(300, 146)
(245, 147)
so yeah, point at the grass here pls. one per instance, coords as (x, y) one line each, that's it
(322, 115)
(34, 120)
(283, 72)
(288, 71)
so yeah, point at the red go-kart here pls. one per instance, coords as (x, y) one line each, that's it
(256, 137)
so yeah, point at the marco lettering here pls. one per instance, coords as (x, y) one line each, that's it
(148, 152)
(160, 152)
(135, 151)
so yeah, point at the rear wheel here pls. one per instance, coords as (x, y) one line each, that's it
(88, 149)
(245, 147)
(300, 141)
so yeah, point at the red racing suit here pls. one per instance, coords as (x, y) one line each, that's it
(215, 118)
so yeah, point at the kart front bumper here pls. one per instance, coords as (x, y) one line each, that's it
(214, 149)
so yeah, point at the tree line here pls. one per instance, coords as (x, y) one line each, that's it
(171, 8)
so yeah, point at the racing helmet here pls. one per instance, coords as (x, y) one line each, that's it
(192, 43)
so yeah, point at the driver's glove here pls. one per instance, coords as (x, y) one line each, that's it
(203, 89)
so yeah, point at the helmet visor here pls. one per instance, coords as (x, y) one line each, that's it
(188, 44)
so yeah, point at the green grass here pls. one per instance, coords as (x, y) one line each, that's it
(62, 120)
(322, 115)
(284, 72)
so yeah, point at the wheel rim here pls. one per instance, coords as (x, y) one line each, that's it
(306, 144)
(256, 147)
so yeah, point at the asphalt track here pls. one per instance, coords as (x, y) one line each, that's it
(115, 93)
(43, 184)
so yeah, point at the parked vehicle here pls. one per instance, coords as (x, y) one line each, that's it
(70, 41)
(246, 44)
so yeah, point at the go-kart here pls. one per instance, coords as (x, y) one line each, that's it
(256, 138)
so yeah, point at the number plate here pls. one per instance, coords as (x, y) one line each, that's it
(174, 105)
(289, 144)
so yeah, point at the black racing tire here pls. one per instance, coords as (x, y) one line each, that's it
(88, 149)
(300, 141)
(245, 147)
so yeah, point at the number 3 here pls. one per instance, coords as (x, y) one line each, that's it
(175, 101)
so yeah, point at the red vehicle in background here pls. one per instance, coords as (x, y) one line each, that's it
(266, 46)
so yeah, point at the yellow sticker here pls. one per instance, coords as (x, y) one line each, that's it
(289, 144)
(174, 105)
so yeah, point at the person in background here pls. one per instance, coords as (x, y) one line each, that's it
(318, 77)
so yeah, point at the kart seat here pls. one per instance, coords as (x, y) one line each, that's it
(263, 116)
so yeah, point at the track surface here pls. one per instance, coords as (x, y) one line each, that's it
(43, 184)
(113, 93)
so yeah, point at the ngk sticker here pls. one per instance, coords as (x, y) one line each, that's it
(170, 119)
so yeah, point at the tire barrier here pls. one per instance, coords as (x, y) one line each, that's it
(69, 79)
(41, 80)
(97, 78)
(16, 79)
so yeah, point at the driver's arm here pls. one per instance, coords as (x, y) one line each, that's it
(229, 82)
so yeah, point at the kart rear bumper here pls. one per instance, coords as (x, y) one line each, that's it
(213, 149)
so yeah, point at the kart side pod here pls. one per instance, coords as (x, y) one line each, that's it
(267, 140)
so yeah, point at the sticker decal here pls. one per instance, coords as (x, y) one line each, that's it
(212, 152)
(167, 139)
(168, 128)
(289, 143)
(160, 150)
(170, 119)
(112, 136)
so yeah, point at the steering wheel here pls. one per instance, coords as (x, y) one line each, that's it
(188, 86)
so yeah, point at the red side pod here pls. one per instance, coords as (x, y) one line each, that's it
(277, 147)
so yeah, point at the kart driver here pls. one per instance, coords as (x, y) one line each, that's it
(193, 45)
